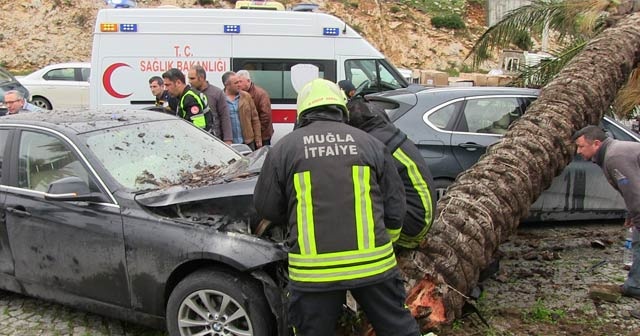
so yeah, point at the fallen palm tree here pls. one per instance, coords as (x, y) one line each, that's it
(485, 204)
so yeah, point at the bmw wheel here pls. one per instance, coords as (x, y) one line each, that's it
(216, 303)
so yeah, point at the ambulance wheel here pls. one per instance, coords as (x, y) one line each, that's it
(213, 302)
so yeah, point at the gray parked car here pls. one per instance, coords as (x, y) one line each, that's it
(7, 83)
(453, 126)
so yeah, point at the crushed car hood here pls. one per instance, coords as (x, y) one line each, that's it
(185, 194)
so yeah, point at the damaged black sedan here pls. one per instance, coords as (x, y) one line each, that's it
(140, 216)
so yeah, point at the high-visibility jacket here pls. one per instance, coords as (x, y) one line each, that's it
(194, 107)
(337, 189)
(415, 174)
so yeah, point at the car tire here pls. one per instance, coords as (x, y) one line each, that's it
(41, 102)
(206, 299)
(440, 187)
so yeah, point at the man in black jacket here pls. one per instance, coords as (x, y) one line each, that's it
(337, 190)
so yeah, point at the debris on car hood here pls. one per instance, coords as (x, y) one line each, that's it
(207, 182)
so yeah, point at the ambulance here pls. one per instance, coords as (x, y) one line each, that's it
(130, 46)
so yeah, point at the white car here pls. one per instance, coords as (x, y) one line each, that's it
(59, 86)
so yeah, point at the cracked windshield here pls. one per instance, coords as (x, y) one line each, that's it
(158, 154)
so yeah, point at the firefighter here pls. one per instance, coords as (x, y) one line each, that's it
(336, 190)
(192, 104)
(416, 177)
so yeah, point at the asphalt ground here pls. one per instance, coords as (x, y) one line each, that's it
(545, 268)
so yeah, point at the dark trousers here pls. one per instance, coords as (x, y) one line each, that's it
(317, 313)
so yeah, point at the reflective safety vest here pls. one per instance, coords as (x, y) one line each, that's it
(200, 119)
(363, 260)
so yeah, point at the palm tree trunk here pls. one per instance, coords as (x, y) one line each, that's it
(485, 204)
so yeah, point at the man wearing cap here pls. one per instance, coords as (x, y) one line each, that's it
(416, 176)
(337, 192)
(347, 87)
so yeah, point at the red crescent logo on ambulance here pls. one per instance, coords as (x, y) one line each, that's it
(106, 80)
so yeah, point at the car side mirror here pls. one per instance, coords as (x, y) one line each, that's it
(71, 188)
(242, 149)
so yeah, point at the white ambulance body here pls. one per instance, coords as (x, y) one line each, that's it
(132, 45)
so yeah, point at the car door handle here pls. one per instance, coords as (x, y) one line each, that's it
(471, 146)
(19, 212)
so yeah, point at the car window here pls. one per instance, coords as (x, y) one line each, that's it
(4, 135)
(5, 77)
(274, 75)
(490, 115)
(442, 117)
(373, 75)
(85, 72)
(43, 158)
(64, 74)
(158, 154)
(615, 131)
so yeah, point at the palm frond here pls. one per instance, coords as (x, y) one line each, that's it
(570, 19)
(628, 97)
(537, 76)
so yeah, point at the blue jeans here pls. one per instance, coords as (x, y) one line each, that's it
(632, 285)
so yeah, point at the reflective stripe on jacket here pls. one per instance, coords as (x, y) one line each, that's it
(310, 266)
(420, 199)
(339, 193)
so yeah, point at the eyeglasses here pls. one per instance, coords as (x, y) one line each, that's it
(10, 101)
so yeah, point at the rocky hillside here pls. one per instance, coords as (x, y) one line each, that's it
(40, 32)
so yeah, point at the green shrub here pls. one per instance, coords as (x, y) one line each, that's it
(523, 41)
(466, 68)
(451, 21)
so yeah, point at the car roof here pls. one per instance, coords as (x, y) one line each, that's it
(469, 90)
(69, 65)
(81, 121)
(8, 74)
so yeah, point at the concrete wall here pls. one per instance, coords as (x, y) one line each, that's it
(497, 8)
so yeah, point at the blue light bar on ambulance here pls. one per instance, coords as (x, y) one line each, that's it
(129, 27)
(331, 31)
(232, 29)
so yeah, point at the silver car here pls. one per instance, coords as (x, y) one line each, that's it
(453, 126)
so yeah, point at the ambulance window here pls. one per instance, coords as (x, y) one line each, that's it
(274, 75)
(374, 75)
